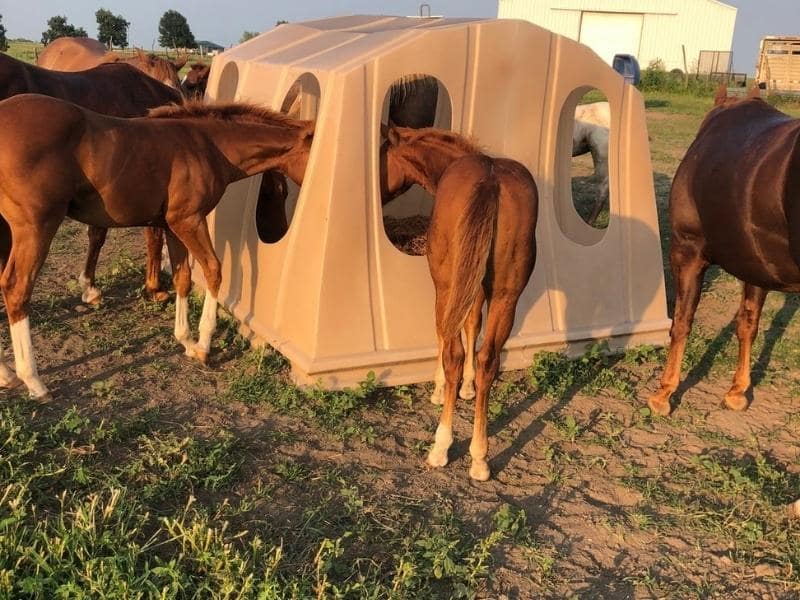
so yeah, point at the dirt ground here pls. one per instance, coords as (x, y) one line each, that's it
(591, 496)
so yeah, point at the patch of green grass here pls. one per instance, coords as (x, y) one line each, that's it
(555, 375)
(145, 520)
(732, 500)
(263, 378)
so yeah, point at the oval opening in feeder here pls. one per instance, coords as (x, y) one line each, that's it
(416, 101)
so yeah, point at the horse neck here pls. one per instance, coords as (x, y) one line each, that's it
(425, 161)
(253, 148)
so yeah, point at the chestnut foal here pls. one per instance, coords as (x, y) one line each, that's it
(115, 89)
(481, 248)
(169, 169)
(734, 203)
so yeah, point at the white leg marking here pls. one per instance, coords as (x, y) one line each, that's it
(182, 333)
(437, 397)
(7, 377)
(437, 457)
(208, 322)
(479, 469)
(24, 359)
(90, 294)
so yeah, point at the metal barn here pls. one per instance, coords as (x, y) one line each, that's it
(646, 29)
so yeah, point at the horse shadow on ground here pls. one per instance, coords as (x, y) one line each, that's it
(775, 331)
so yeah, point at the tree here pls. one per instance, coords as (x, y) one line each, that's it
(174, 32)
(248, 35)
(3, 40)
(280, 22)
(112, 29)
(58, 27)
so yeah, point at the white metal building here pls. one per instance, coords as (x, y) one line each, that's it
(647, 29)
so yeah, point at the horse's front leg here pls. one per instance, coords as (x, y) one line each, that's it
(89, 293)
(471, 328)
(182, 280)
(746, 330)
(30, 246)
(194, 234)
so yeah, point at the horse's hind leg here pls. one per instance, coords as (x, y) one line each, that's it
(154, 242)
(89, 293)
(471, 328)
(746, 330)
(499, 321)
(453, 363)
(688, 268)
(437, 396)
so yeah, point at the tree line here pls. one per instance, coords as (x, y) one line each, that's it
(112, 30)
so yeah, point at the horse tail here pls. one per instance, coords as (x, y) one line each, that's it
(471, 244)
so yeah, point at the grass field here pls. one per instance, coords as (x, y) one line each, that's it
(150, 476)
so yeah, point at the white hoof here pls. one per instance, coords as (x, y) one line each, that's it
(8, 379)
(467, 391)
(195, 351)
(437, 397)
(437, 458)
(479, 470)
(91, 295)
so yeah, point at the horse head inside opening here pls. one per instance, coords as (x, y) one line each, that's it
(277, 196)
(589, 166)
(416, 101)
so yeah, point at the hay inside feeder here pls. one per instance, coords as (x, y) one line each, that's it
(409, 234)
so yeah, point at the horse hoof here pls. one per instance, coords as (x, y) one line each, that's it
(660, 405)
(10, 381)
(92, 296)
(437, 459)
(467, 392)
(437, 399)
(43, 398)
(479, 470)
(198, 353)
(158, 296)
(736, 401)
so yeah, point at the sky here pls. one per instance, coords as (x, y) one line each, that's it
(223, 21)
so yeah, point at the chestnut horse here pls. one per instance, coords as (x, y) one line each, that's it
(79, 54)
(734, 203)
(481, 248)
(111, 172)
(195, 81)
(115, 89)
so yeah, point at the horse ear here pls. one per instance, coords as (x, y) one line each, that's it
(393, 136)
(180, 61)
(721, 95)
(754, 92)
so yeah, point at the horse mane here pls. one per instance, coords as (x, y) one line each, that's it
(410, 83)
(450, 138)
(230, 111)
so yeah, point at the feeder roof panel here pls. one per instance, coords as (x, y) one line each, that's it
(340, 43)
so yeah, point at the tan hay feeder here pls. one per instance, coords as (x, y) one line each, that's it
(334, 295)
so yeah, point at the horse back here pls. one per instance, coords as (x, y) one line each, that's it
(730, 194)
(71, 54)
